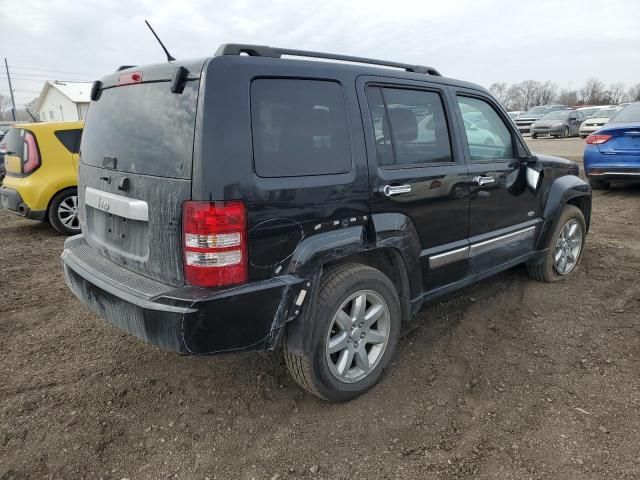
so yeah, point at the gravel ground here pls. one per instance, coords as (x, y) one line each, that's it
(508, 379)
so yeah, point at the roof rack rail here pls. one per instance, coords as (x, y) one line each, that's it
(265, 51)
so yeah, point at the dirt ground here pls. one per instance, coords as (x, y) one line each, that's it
(508, 379)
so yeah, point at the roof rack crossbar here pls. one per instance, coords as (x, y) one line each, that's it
(265, 51)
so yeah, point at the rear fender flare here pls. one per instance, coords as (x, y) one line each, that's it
(385, 231)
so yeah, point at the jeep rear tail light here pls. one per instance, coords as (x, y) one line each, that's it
(30, 154)
(215, 243)
(597, 139)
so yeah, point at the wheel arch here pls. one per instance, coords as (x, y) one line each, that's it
(565, 190)
(71, 187)
(388, 243)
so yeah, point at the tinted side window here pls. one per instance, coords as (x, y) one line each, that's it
(299, 127)
(410, 127)
(70, 139)
(487, 135)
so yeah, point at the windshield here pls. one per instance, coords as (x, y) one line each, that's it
(587, 112)
(538, 110)
(559, 115)
(630, 113)
(605, 113)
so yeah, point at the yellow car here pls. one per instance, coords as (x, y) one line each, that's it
(42, 173)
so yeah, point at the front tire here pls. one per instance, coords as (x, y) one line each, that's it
(565, 247)
(64, 213)
(355, 334)
(565, 133)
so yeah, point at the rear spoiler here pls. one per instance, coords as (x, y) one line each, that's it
(176, 73)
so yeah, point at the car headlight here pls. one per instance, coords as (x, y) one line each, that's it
(557, 124)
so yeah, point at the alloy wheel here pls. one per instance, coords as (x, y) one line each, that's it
(568, 247)
(68, 213)
(358, 336)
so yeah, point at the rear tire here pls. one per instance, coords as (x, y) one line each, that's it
(63, 212)
(334, 368)
(599, 184)
(550, 270)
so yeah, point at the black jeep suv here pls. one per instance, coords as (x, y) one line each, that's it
(247, 201)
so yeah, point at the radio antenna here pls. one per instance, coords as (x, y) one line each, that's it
(169, 57)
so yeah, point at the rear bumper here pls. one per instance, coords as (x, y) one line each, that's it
(612, 168)
(614, 175)
(188, 319)
(11, 200)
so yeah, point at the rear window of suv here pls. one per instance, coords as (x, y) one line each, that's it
(299, 128)
(147, 128)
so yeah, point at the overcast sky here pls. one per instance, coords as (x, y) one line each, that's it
(481, 41)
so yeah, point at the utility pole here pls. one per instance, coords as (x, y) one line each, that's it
(13, 102)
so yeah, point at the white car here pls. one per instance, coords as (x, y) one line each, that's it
(589, 112)
(597, 121)
(514, 114)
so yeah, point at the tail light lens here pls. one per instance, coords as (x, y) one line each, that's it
(597, 139)
(215, 243)
(30, 154)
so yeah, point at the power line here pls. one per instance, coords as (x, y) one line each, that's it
(57, 71)
(42, 80)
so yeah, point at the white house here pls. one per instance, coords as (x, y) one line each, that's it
(63, 101)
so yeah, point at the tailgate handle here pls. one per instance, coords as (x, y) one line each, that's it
(109, 162)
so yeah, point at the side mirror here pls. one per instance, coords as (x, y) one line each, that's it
(534, 174)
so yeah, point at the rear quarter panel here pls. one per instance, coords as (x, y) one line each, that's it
(282, 213)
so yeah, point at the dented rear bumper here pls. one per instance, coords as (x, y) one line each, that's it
(189, 320)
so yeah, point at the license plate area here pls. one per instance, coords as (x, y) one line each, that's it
(124, 236)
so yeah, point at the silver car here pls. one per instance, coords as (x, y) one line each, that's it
(597, 121)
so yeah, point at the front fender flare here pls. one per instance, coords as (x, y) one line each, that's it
(562, 191)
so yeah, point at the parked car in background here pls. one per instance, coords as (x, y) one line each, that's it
(202, 242)
(591, 110)
(42, 173)
(597, 120)
(612, 153)
(514, 114)
(524, 120)
(559, 124)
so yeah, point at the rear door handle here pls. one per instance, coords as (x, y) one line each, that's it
(480, 180)
(390, 190)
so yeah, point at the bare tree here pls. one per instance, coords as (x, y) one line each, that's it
(593, 92)
(634, 93)
(5, 107)
(529, 89)
(515, 94)
(546, 93)
(617, 93)
(500, 91)
(568, 97)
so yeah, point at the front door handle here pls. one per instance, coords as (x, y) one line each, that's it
(480, 180)
(390, 190)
